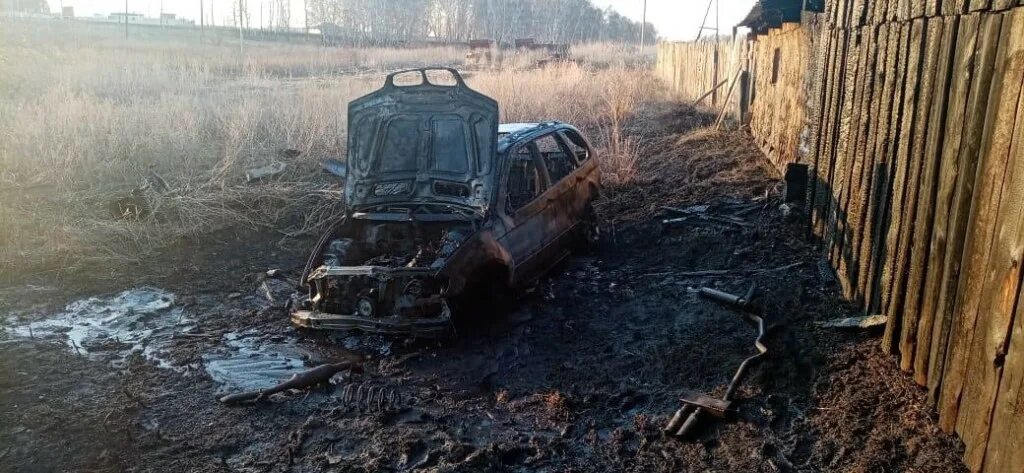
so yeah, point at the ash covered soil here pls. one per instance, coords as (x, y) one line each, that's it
(580, 374)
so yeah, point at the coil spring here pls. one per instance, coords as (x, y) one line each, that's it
(366, 397)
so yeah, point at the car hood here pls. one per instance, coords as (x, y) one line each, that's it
(424, 143)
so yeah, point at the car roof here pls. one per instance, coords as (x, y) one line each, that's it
(511, 133)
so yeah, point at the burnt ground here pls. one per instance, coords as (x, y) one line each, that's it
(578, 375)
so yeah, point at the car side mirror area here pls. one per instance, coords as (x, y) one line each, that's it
(336, 167)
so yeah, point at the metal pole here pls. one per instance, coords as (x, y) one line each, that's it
(643, 26)
(125, 19)
(202, 23)
(241, 37)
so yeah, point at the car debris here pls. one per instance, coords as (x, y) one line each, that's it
(696, 406)
(699, 212)
(444, 207)
(318, 375)
(368, 397)
(272, 169)
(135, 205)
(867, 321)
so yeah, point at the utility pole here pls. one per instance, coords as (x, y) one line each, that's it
(643, 26)
(202, 23)
(125, 19)
(241, 36)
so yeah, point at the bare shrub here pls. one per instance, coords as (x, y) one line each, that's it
(608, 54)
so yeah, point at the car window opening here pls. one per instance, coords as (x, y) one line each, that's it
(523, 180)
(555, 157)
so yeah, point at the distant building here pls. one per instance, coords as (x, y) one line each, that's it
(132, 18)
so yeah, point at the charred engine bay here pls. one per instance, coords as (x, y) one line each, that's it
(579, 375)
(385, 269)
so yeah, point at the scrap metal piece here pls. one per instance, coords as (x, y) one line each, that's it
(867, 321)
(719, 408)
(739, 302)
(700, 406)
(274, 168)
(367, 397)
(312, 377)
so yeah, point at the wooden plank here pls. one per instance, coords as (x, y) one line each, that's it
(933, 8)
(954, 375)
(1006, 444)
(870, 79)
(962, 74)
(918, 7)
(872, 246)
(979, 5)
(881, 106)
(998, 218)
(904, 200)
(1005, 450)
(846, 159)
(882, 11)
(843, 158)
(819, 189)
(890, 190)
(954, 7)
(892, 15)
(943, 54)
(903, 10)
(831, 137)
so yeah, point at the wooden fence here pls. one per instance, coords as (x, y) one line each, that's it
(770, 84)
(919, 170)
(915, 126)
(693, 70)
(777, 95)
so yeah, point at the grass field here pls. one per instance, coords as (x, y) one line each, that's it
(87, 116)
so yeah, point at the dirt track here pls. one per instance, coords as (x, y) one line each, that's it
(578, 376)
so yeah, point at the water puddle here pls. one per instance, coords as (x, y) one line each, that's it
(140, 320)
(145, 320)
(248, 361)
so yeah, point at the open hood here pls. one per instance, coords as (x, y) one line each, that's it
(431, 142)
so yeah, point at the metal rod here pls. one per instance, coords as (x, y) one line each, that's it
(705, 20)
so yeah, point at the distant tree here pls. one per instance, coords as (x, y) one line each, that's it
(389, 21)
(26, 6)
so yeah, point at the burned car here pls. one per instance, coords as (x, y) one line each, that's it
(444, 205)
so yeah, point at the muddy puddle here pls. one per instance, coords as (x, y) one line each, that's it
(141, 320)
(248, 361)
(145, 321)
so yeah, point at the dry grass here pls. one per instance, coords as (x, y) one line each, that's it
(614, 54)
(85, 119)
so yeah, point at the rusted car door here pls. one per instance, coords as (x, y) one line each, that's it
(558, 214)
(585, 176)
(522, 208)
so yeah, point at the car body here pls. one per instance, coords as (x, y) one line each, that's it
(443, 203)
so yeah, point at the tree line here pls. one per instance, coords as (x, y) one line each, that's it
(379, 22)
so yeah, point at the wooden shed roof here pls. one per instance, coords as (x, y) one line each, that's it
(773, 13)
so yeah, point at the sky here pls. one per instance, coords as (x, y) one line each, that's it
(679, 20)
(674, 19)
